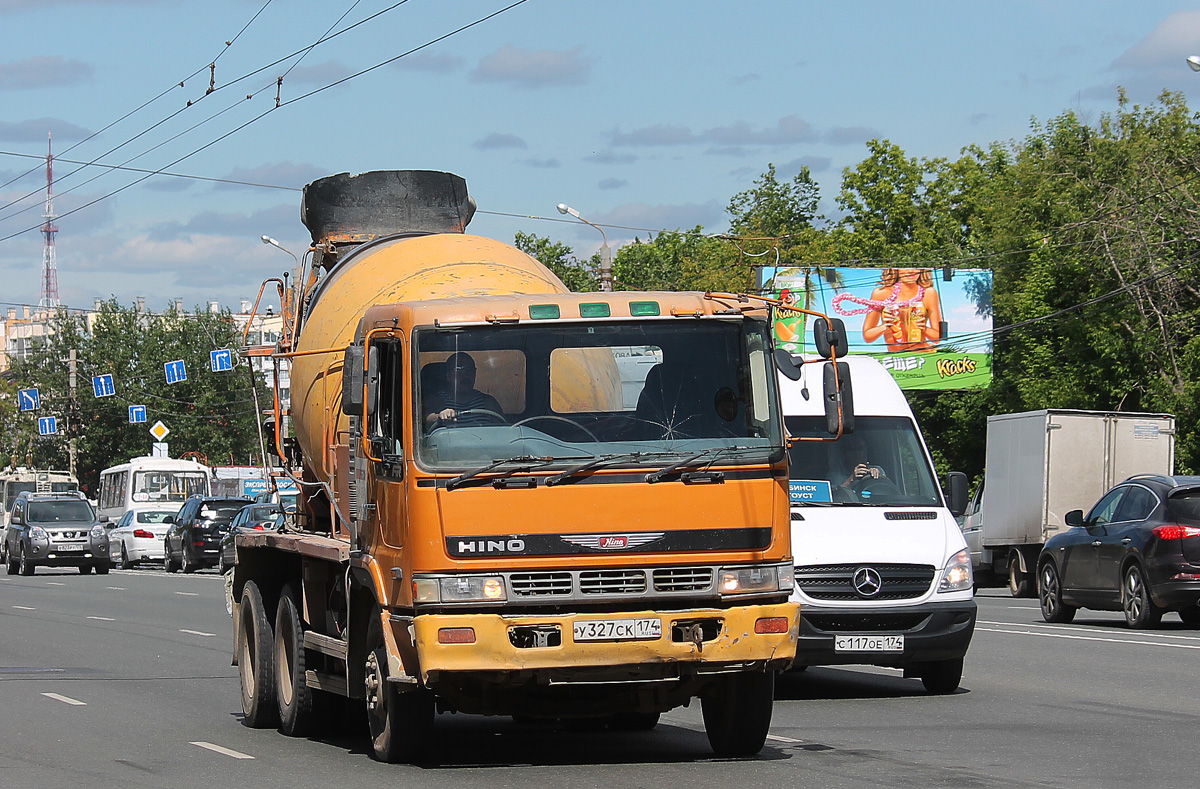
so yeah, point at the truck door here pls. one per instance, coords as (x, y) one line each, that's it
(1137, 505)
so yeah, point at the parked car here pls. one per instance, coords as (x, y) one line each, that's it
(1137, 551)
(138, 536)
(252, 517)
(193, 541)
(54, 530)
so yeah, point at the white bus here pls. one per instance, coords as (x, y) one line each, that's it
(15, 480)
(151, 483)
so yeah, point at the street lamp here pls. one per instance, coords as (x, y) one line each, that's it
(272, 242)
(605, 256)
(1193, 62)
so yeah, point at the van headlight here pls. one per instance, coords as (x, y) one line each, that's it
(957, 574)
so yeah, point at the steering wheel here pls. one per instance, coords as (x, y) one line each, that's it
(871, 484)
(486, 412)
(553, 418)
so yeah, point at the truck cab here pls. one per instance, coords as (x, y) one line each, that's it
(882, 572)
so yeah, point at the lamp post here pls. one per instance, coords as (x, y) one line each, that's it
(1193, 62)
(605, 256)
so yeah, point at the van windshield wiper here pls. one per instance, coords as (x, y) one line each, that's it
(596, 462)
(520, 461)
(709, 456)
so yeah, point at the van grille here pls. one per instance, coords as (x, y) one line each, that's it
(910, 516)
(836, 581)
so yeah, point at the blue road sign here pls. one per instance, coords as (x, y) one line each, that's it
(29, 399)
(102, 385)
(137, 413)
(176, 372)
(221, 360)
(47, 425)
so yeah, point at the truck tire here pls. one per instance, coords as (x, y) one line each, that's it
(1019, 583)
(737, 713)
(1050, 596)
(941, 677)
(401, 724)
(256, 661)
(292, 691)
(1140, 610)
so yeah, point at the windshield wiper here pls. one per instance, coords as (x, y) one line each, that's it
(710, 476)
(521, 461)
(596, 462)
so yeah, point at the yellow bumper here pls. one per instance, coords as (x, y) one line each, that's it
(492, 650)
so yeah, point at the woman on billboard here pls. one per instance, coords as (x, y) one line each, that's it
(904, 309)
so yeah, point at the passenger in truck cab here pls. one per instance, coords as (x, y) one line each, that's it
(450, 396)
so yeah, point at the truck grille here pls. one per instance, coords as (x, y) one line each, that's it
(683, 579)
(594, 585)
(612, 582)
(836, 581)
(540, 584)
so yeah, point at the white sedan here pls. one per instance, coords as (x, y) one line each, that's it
(138, 536)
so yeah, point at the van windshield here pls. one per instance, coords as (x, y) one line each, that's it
(881, 464)
(168, 485)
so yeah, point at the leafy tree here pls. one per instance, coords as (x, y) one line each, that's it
(579, 276)
(675, 260)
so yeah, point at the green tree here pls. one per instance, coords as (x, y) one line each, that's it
(676, 260)
(579, 276)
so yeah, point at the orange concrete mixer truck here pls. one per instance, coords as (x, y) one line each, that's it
(515, 500)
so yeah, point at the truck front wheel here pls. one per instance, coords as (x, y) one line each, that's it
(256, 661)
(401, 723)
(737, 713)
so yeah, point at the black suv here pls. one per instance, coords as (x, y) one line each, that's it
(54, 530)
(194, 539)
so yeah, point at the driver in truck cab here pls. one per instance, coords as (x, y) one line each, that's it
(451, 398)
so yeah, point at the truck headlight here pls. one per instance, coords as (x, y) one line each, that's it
(957, 574)
(744, 580)
(460, 589)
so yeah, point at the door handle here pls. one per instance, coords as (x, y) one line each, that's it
(1097, 543)
(1127, 540)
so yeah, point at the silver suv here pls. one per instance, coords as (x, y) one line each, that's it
(54, 530)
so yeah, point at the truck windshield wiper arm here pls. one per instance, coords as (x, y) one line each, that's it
(662, 473)
(595, 462)
(519, 460)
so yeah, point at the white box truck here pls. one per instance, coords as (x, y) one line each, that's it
(1042, 464)
(882, 572)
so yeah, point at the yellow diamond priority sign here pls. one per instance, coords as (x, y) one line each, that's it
(159, 431)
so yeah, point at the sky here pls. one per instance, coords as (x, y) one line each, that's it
(643, 116)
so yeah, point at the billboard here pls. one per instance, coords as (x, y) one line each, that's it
(932, 331)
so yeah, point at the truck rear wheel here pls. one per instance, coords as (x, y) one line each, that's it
(291, 688)
(256, 661)
(1019, 583)
(401, 723)
(737, 713)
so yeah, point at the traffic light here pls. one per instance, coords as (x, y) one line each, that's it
(74, 419)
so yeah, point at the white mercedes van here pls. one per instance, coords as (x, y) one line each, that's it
(882, 571)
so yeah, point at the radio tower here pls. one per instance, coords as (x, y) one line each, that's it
(49, 230)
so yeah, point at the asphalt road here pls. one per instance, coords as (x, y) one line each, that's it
(125, 680)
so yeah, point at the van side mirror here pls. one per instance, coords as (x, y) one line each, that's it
(956, 481)
(830, 337)
(1073, 518)
(839, 398)
(352, 381)
(786, 364)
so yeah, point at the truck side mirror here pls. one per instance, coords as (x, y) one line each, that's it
(839, 396)
(352, 381)
(829, 337)
(786, 364)
(372, 378)
(1073, 518)
(957, 483)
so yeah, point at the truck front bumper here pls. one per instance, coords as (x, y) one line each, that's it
(700, 639)
(933, 631)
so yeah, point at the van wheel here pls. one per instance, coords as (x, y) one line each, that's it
(737, 712)
(256, 661)
(291, 688)
(1018, 582)
(401, 723)
(941, 677)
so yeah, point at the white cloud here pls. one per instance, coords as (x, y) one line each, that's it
(1174, 39)
(42, 72)
(528, 68)
(35, 130)
(496, 140)
(431, 62)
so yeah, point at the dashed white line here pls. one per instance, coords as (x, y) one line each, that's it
(116, 588)
(196, 632)
(189, 594)
(1084, 628)
(65, 699)
(102, 618)
(24, 608)
(777, 738)
(222, 751)
(54, 583)
(1088, 638)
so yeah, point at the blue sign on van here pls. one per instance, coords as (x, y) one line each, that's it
(801, 491)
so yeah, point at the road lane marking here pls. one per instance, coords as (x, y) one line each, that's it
(189, 594)
(24, 608)
(1090, 629)
(65, 699)
(196, 633)
(777, 738)
(222, 751)
(102, 618)
(116, 588)
(1088, 638)
(54, 583)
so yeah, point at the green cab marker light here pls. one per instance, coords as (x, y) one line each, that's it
(638, 308)
(595, 309)
(541, 312)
